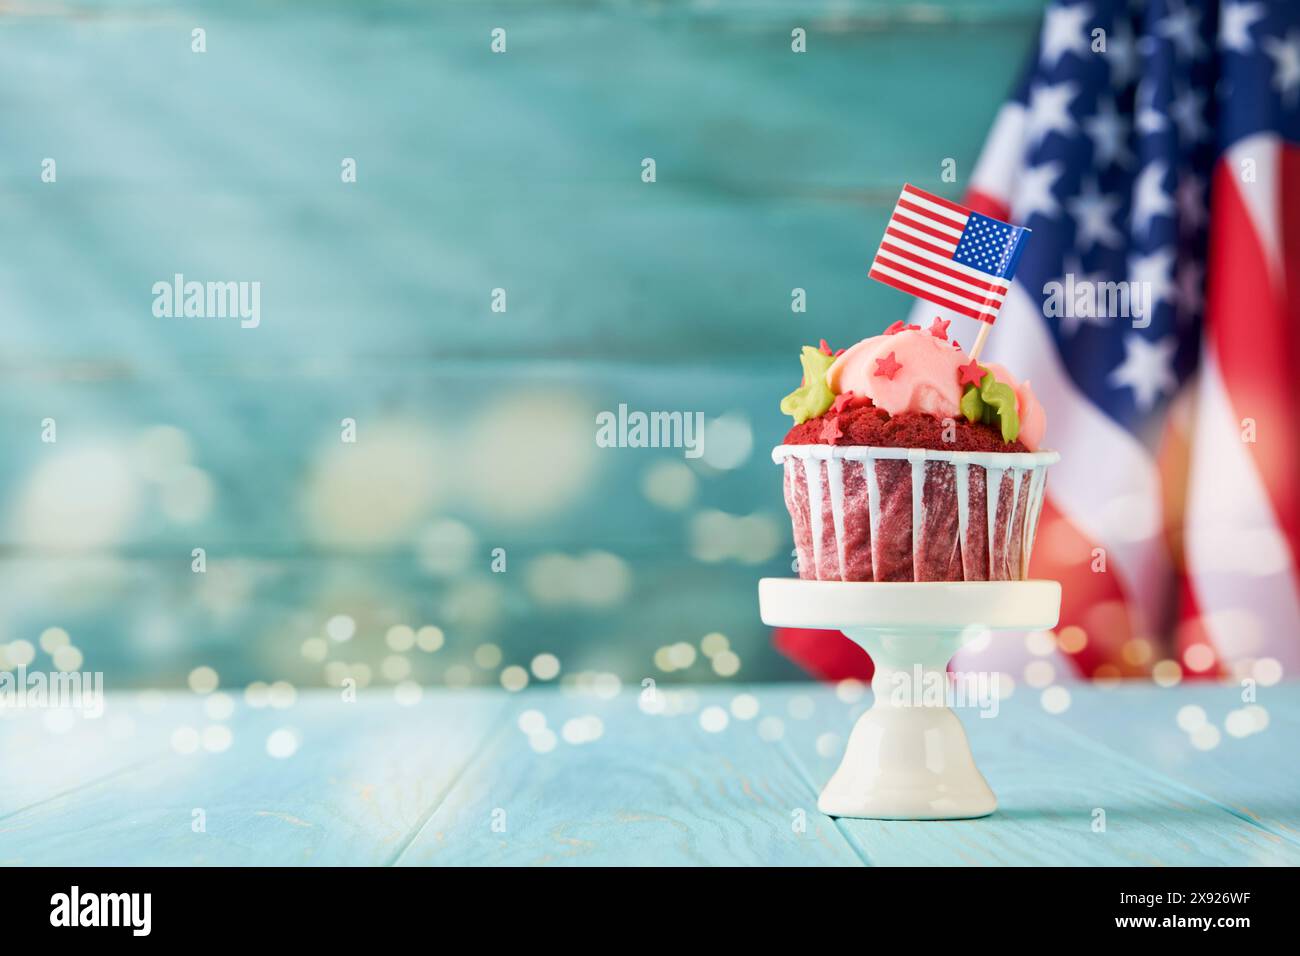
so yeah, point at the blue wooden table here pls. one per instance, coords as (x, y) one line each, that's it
(546, 778)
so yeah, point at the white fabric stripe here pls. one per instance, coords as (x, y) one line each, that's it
(1002, 157)
(991, 294)
(955, 218)
(1237, 559)
(1264, 150)
(932, 221)
(977, 305)
(912, 249)
(1107, 485)
(922, 236)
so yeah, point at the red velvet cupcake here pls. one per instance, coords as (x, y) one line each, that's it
(909, 462)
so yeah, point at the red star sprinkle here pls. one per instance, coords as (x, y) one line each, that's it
(831, 432)
(912, 328)
(826, 349)
(841, 400)
(895, 328)
(956, 344)
(888, 366)
(939, 328)
(969, 374)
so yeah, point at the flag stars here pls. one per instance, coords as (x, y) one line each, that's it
(1234, 26)
(1182, 27)
(1147, 369)
(1149, 119)
(1154, 270)
(1094, 212)
(1286, 64)
(1108, 132)
(1065, 31)
(1121, 54)
(1188, 111)
(1034, 192)
(1150, 197)
(1049, 110)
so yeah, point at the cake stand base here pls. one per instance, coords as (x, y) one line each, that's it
(908, 757)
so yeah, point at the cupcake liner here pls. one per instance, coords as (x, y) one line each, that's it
(862, 513)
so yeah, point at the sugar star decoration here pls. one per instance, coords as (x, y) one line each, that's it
(901, 326)
(993, 403)
(842, 401)
(831, 432)
(888, 366)
(970, 373)
(814, 396)
(939, 328)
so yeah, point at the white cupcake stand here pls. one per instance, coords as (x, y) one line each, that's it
(907, 760)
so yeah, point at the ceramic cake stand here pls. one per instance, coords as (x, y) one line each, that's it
(906, 761)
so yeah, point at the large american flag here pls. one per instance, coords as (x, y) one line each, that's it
(942, 252)
(1172, 159)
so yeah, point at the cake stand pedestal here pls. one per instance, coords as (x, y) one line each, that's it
(908, 757)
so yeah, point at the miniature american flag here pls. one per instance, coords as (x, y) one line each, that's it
(947, 254)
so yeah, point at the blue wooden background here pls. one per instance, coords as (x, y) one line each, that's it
(475, 171)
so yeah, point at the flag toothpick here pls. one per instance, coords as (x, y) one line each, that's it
(943, 252)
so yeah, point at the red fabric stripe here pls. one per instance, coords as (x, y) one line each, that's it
(1252, 323)
(996, 290)
(1090, 599)
(987, 205)
(930, 296)
(936, 283)
(826, 655)
(945, 203)
(929, 214)
(922, 227)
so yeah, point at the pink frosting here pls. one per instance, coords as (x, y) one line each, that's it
(926, 379)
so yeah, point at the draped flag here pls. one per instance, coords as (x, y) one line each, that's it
(1154, 149)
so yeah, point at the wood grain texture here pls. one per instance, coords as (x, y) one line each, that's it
(363, 777)
(455, 781)
(1052, 773)
(651, 791)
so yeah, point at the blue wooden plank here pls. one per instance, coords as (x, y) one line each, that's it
(651, 791)
(781, 164)
(54, 753)
(455, 780)
(362, 779)
(1051, 781)
(1240, 773)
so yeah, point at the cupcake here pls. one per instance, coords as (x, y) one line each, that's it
(908, 461)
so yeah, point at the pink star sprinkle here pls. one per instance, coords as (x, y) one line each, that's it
(888, 366)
